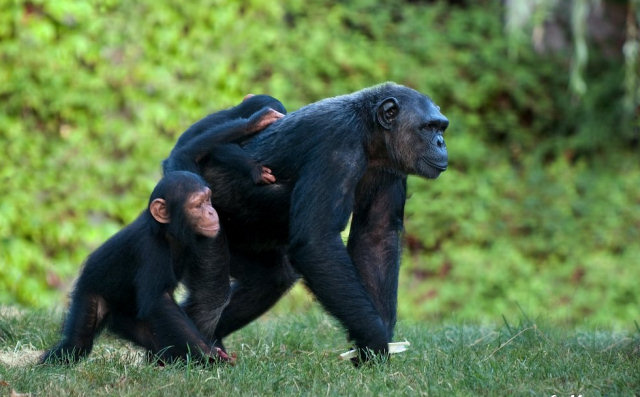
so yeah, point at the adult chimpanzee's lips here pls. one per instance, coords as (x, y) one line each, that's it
(438, 166)
(212, 228)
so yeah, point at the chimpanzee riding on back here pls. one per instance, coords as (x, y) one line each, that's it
(215, 138)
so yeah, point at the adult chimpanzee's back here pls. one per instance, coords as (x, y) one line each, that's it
(336, 157)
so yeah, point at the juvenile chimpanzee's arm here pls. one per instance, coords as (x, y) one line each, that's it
(167, 332)
(216, 143)
(154, 277)
(207, 282)
(161, 325)
(250, 105)
(176, 335)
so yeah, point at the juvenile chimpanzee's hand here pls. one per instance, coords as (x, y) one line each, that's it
(223, 357)
(263, 119)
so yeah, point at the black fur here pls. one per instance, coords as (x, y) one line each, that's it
(336, 157)
(127, 284)
(215, 138)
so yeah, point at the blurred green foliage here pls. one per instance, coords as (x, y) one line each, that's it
(539, 211)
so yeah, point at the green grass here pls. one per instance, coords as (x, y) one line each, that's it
(298, 355)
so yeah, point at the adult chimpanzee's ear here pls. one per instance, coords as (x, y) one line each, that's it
(387, 112)
(159, 211)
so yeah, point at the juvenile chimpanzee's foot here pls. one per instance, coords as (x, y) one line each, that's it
(262, 175)
(62, 355)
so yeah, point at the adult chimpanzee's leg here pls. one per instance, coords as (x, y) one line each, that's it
(374, 239)
(260, 281)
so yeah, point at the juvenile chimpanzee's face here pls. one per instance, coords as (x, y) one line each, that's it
(201, 214)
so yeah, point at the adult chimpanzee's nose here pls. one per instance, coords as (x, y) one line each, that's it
(438, 140)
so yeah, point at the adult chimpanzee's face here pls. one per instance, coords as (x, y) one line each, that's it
(429, 127)
(201, 214)
(414, 135)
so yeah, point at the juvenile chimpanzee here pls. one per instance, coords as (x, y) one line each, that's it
(342, 156)
(215, 138)
(127, 284)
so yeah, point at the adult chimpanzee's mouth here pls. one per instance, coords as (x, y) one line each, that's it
(438, 166)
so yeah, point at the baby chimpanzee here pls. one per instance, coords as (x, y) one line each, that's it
(215, 138)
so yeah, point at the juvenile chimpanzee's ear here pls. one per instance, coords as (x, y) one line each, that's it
(159, 211)
(387, 112)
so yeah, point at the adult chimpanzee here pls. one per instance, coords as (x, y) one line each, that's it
(127, 284)
(215, 138)
(341, 156)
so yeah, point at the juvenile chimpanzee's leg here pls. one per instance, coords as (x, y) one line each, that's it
(85, 320)
(129, 327)
(261, 280)
(232, 154)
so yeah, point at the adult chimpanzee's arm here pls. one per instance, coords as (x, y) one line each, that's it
(374, 238)
(215, 143)
(319, 211)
